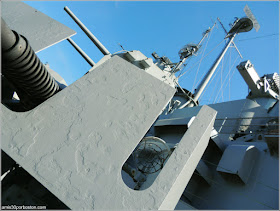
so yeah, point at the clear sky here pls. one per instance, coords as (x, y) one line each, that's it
(165, 27)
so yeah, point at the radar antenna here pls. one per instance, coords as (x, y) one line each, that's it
(250, 15)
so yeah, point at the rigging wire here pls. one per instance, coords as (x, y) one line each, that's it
(228, 75)
(228, 58)
(199, 62)
(184, 65)
(207, 86)
(229, 80)
(253, 38)
(214, 89)
(216, 72)
(200, 78)
(202, 75)
(201, 59)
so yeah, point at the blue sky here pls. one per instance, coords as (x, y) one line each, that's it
(165, 27)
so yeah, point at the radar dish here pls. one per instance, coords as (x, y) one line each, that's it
(250, 15)
(150, 155)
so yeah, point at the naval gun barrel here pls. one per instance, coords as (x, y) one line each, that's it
(98, 44)
(23, 69)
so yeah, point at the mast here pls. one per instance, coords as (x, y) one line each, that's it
(192, 101)
(211, 71)
(189, 50)
(244, 24)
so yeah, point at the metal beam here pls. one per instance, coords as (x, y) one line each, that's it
(87, 32)
(83, 54)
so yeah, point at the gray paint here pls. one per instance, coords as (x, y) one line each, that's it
(81, 162)
(45, 162)
(204, 172)
(238, 160)
(41, 30)
(230, 116)
(89, 125)
(260, 191)
(262, 181)
(140, 60)
(186, 156)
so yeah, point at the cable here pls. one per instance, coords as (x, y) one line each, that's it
(222, 83)
(253, 38)
(207, 86)
(216, 72)
(232, 74)
(202, 58)
(181, 71)
(225, 80)
(200, 79)
(214, 89)
(203, 74)
(228, 81)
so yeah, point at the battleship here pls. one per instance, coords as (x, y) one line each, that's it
(127, 134)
